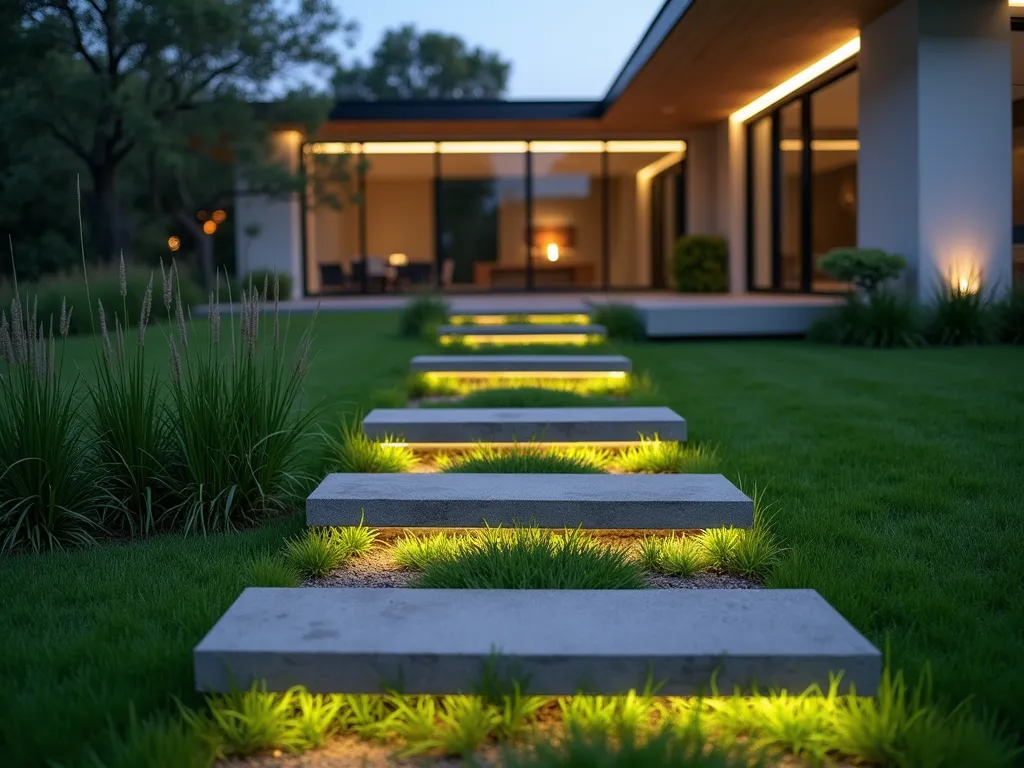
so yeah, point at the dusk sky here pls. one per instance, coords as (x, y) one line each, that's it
(560, 49)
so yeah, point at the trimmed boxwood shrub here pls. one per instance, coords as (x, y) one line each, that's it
(866, 268)
(700, 264)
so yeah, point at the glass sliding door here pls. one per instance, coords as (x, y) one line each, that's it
(482, 215)
(834, 150)
(802, 186)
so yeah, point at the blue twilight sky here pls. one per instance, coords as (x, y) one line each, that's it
(559, 49)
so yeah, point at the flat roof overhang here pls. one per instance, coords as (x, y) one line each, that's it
(699, 62)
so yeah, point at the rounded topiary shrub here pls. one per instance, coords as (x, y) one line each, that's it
(700, 264)
(866, 268)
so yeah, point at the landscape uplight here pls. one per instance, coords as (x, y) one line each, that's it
(209, 226)
(174, 243)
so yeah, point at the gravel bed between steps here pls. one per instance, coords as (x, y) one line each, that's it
(377, 569)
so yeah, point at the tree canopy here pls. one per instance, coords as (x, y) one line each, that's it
(408, 64)
(158, 102)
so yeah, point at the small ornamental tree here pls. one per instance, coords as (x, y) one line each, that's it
(866, 268)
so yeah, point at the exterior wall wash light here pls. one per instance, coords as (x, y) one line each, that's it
(964, 280)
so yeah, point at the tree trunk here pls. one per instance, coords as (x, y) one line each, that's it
(106, 216)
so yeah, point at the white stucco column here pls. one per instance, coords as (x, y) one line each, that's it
(935, 163)
(276, 221)
(715, 203)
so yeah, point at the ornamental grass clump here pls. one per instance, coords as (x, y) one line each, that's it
(131, 423)
(50, 496)
(350, 450)
(236, 416)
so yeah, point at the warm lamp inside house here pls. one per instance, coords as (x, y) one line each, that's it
(552, 251)
(398, 260)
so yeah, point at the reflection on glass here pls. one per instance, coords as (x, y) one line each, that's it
(332, 231)
(482, 213)
(400, 237)
(761, 203)
(789, 197)
(567, 227)
(834, 165)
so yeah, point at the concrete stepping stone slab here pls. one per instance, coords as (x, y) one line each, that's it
(466, 365)
(466, 426)
(439, 500)
(554, 642)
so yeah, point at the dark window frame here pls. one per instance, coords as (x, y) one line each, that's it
(802, 96)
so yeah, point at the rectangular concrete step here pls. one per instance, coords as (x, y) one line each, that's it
(439, 500)
(553, 642)
(520, 330)
(509, 365)
(466, 426)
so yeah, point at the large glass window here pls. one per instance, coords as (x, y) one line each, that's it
(333, 221)
(567, 214)
(632, 169)
(496, 215)
(793, 223)
(482, 215)
(834, 167)
(398, 193)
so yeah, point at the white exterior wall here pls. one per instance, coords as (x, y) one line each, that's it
(715, 192)
(935, 162)
(278, 244)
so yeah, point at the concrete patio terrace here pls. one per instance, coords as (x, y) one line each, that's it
(666, 314)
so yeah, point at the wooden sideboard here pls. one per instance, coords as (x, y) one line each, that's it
(492, 274)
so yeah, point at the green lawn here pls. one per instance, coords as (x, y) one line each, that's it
(898, 478)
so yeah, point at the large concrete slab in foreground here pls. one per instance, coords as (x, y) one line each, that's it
(470, 364)
(554, 642)
(524, 329)
(438, 426)
(418, 500)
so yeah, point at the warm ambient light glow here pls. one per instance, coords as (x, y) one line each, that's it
(219, 216)
(174, 243)
(433, 376)
(552, 251)
(492, 147)
(648, 172)
(209, 227)
(398, 259)
(798, 81)
(965, 280)
(512, 318)
(822, 145)
(526, 338)
(438, 447)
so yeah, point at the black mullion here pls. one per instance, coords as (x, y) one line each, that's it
(777, 192)
(438, 220)
(529, 219)
(606, 259)
(362, 228)
(806, 193)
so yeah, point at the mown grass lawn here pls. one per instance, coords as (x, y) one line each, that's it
(898, 478)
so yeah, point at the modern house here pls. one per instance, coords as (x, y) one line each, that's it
(788, 127)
